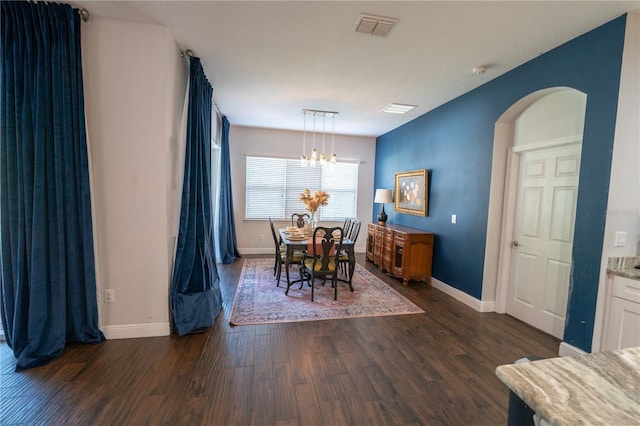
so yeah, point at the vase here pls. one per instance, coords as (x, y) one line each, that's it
(313, 222)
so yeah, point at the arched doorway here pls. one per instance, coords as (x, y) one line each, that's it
(532, 207)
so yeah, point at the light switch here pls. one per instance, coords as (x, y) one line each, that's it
(453, 218)
(621, 239)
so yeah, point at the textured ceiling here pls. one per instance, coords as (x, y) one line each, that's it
(267, 60)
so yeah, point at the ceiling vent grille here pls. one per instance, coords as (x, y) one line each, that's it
(394, 108)
(375, 25)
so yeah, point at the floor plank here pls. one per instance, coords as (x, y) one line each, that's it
(424, 369)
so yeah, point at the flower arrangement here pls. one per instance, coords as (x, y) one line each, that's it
(313, 202)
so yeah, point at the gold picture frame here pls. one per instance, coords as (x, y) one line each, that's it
(411, 192)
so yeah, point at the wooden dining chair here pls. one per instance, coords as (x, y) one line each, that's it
(321, 260)
(354, 231)
(281, 253)
(346, 226)
(299, 219)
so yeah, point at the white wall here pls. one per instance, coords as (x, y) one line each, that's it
(134, 81)
(288, 144)
(623, 207)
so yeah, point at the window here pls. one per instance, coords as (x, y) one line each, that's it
(274, 186)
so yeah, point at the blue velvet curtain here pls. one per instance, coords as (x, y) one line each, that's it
(226, 222)
(195, 298)
(47, 262)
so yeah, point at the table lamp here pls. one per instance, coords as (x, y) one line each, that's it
(383, 196)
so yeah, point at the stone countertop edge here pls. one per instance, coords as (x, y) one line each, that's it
(591, 389)
(624, 266)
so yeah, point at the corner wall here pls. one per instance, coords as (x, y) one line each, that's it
(623, 206)
(455, 142)
(134, 82)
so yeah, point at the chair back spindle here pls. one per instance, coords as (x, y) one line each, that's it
(355, 230)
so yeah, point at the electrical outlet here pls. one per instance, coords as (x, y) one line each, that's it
(621, 239)
(262, 236)
(109, 295)
(454, 218)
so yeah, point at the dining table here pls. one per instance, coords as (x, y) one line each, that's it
(304, 242)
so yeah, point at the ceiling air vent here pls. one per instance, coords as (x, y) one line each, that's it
(394, 108)
(376, 25)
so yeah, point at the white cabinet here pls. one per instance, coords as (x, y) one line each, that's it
(622, 323)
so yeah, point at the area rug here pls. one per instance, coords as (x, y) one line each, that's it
(259, 301)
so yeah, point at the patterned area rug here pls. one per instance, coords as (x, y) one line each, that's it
(259, 301)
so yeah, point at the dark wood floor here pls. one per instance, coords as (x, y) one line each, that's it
(435, 368)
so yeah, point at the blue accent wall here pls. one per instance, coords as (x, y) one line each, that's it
(455, 142)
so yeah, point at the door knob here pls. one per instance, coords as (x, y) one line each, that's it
(515, 244)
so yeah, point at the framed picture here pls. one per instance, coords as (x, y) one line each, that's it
(411, 192)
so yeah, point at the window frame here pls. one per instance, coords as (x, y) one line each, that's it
(289, 192)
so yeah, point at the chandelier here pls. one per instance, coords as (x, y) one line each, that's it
(313, 159)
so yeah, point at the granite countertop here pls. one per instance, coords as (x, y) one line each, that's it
(593, 389)
(624, 266)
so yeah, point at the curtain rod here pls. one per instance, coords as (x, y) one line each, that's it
(189, 54)
(84, 14)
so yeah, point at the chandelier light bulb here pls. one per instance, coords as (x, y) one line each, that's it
(314, 157)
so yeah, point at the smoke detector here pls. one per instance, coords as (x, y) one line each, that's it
(375, 25)
(480, 69)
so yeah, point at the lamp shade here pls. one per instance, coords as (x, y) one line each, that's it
(383, 196)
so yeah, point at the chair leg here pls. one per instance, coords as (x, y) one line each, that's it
(302, 274)
(312, 285)
(335, 285)
(278, 274)
(286, 270)
(352, 269)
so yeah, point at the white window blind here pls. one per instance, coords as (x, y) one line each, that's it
(274, 186)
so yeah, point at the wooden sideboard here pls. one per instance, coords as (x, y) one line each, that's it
(403, 252)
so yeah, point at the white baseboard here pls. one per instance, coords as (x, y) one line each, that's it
(463, 297)
(256, 250)
(566, 349)
(131, 331)
(271, 250)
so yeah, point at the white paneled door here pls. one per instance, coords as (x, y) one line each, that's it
(543, 237)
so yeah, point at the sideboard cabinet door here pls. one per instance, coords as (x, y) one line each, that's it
(371, 234)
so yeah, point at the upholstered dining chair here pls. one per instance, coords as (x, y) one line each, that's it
(299, 219)
(280, 255)
(321, 259)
